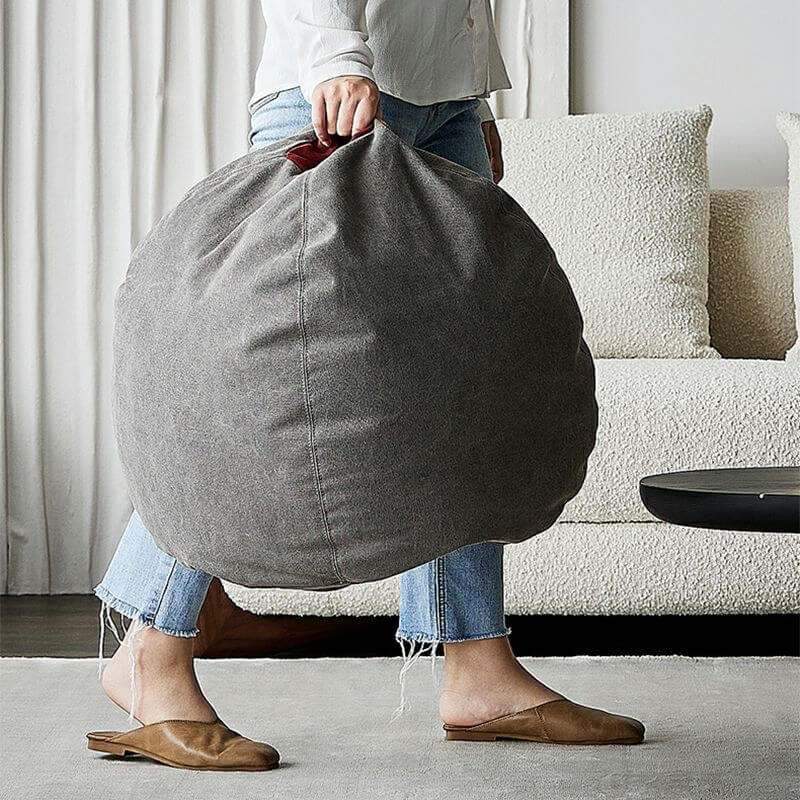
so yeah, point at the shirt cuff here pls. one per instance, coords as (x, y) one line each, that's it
(485, 111)
(333, 69)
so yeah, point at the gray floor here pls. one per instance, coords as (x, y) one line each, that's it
(716, 728)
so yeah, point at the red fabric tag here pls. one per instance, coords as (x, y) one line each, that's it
(309, 154)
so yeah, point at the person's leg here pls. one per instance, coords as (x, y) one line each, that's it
(151, 675)
(458, 599)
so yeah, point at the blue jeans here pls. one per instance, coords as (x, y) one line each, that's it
(456, 597)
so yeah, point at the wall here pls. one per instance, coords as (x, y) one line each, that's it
(741, 57)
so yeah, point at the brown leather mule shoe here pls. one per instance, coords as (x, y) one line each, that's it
(188, 744)
(557, 722)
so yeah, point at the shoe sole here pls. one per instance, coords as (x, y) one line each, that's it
(125, 750)
(478, 736)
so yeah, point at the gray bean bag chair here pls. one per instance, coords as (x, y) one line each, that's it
(331, 371)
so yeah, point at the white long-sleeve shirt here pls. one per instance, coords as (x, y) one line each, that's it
(421, 51)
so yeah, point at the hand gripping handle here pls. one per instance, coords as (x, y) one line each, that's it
(307, 155)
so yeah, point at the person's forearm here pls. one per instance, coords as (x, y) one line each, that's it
(330, 41)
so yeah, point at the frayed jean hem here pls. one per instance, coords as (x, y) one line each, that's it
(416, 636)
(135, 614)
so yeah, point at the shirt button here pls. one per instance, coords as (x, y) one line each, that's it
(470, 21)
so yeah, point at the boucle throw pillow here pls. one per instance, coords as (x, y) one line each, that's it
(750, 304)
(624, 201)
(789, 126)
(328, 373)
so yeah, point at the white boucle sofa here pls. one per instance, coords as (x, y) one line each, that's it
(607, 554)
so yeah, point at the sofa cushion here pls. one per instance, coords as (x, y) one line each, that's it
(789, 126)
(623, 199)
(750, 302)
(665, 415)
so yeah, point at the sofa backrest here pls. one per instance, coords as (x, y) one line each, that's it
(750, 298)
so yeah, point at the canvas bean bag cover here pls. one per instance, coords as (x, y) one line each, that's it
(333, 366)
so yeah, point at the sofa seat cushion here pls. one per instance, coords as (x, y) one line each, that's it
(665, 415)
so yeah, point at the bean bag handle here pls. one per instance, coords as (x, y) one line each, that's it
(307, 155)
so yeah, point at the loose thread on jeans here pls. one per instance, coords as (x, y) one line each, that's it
(110, 618)
(100, 648)
(409, 659)
(433, 664)
(133, 629)
(105, 619)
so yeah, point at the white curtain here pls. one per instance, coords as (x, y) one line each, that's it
(534, 39)
(111, 110)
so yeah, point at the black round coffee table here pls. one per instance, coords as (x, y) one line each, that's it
(752, 499)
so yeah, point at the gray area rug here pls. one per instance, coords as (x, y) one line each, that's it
(716, 728)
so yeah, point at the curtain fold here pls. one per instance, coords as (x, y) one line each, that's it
(534, 38)
(111, 111)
